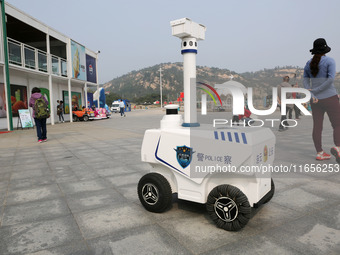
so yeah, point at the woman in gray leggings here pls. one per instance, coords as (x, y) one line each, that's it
(319, 74)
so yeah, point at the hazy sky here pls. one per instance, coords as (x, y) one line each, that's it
(244, 35)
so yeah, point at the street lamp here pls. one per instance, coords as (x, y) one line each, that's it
(97, 78)
(160, 85)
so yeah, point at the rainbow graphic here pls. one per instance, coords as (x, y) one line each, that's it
(209, 93)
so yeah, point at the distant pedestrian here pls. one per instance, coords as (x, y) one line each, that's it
(319, 74)
(60, 110)
(295, 108)
(236, 120)
(283, 123)
(247, 120)
(122, 107)
(40, 113)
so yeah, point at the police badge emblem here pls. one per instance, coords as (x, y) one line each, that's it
(184, 155)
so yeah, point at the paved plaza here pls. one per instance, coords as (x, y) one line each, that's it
(77, 194)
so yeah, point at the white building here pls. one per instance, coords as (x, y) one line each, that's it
(39, 56)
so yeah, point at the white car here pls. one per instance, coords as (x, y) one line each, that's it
(115, 107)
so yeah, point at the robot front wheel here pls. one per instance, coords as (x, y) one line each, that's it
(154, 192)
(228, 207)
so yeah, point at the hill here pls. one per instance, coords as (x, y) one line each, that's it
(146, 81)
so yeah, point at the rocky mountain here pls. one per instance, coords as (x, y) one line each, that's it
(146, 81)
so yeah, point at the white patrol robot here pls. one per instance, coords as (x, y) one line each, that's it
(221, 168)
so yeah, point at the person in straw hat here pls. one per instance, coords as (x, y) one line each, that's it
(319, 74)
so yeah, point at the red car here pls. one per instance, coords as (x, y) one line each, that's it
(85, 115)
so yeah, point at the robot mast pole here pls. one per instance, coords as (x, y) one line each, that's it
(190, 32)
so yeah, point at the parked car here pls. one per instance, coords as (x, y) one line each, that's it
(219, 109)
(85, 115)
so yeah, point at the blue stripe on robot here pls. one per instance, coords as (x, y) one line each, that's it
(230, 137)
(189, 51)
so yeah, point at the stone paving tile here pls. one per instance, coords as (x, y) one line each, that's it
(129, 192)
(4, 154)
(3, 194)
(34, 211)
(112, 219)
(323, 188)
(68, 178)
(33, 173)
(6, 162)
(81, 167)
(143, 168)
(126, 157)
(27, 167)
(300, 200)
(85, 174)
(74, 248)
(5, 176)
(83, 186)
(104, 165)
(5, 168)
(4, 184)
(114, 170)
(46, 192)
(153, 239)
(126, 179)
(327, 239)
(69, 161)
(62, 157)
(86, 154)
(335, 178)
(257, 245)
(95, 159)
(1, 213)
(35, 236)
(271, 215)
(199, 234)
(308, 236)
(330, 216)
(29, 160)
(26, 154)
(80, 202)
(316, 175)
(132, 148)
(56, 150)
(64, 174)
(283, 184)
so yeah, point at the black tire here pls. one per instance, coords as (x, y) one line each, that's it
(85, 118)
(272, 191)
(75, 118)
(154, 192)
(228, 207)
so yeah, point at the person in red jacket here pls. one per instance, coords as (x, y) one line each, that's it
(246, 117)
